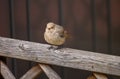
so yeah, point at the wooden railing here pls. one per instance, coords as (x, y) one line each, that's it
(65, 57)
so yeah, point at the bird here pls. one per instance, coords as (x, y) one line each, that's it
(55, 34)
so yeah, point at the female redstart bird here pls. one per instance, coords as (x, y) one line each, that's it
(55, 34)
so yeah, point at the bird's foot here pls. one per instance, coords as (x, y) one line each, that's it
(60, 47)
(53, 47)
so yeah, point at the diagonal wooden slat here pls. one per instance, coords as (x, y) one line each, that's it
(32, 73)
(91, 77)
(49, 72)
(97, 76)
(5, 72)
(100, 76)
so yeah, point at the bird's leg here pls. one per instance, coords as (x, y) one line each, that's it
(51, 47)
(55, 47)
(60, 46)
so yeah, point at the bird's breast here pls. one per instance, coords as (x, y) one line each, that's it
(54, 38)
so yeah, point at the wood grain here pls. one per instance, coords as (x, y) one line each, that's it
(5, 72)
(32, 73)
(66, 57)
(49, 72)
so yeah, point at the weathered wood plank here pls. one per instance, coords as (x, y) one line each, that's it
(32, 73)
(49, 72)
(6, 73)
(67, 57)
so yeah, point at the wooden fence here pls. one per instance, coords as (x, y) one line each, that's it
(66, 57)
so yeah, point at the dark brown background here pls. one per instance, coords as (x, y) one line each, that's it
(94, 26)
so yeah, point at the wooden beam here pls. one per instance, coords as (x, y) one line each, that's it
(49, 72)
(66, 57)
(5, 72)
(32, 73)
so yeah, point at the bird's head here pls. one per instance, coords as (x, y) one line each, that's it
(50, 26)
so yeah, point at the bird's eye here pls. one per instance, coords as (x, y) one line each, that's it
(48, 28)
(52, 27)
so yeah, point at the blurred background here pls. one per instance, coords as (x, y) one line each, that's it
(93, 24)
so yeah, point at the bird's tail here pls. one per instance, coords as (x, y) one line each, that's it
(67, 35)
